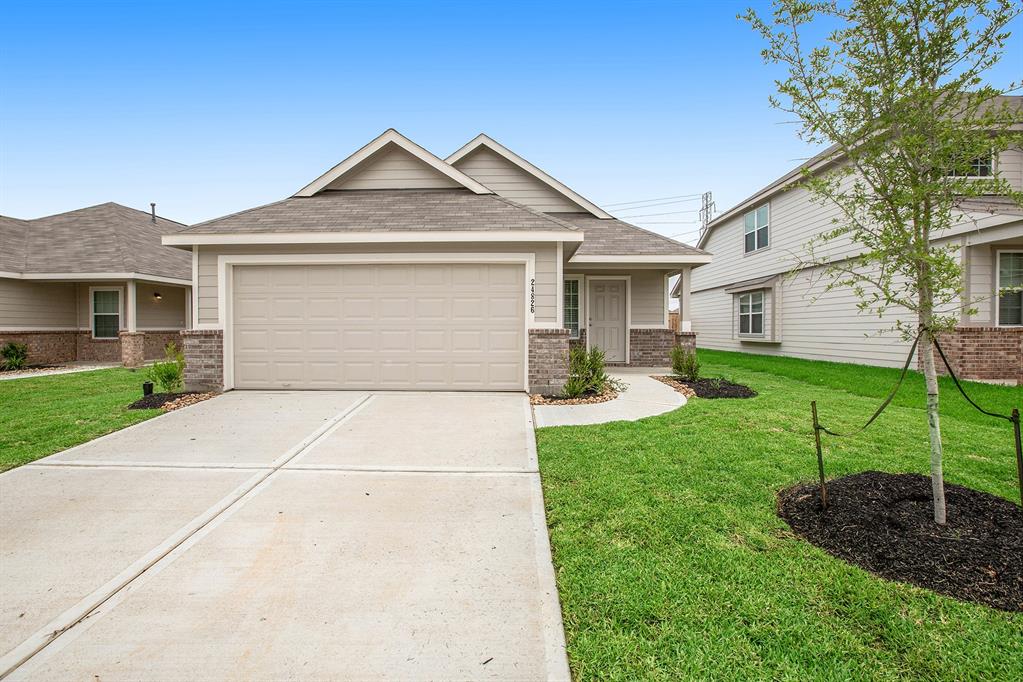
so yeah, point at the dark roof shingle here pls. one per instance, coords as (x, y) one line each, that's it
(385, 211)
(602, 237)
(108, 238)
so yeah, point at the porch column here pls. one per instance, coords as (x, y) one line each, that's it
(684, 320)
(132, 341)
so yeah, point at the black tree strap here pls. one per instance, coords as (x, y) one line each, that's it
(955, 379)
(887, 400)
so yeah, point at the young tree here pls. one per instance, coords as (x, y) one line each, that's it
(896, 88)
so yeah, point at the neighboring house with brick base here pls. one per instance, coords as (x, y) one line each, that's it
(397, 269)
(93, 284)
(750, 300)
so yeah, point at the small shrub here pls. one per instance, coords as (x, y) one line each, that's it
(169, 375)
(587, 374)
(684, 364)
(13, 356)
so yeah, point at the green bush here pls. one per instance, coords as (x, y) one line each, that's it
(586, 373)
(13, 356)
(169, 375)
(684, 364)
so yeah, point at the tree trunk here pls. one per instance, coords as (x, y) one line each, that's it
(926, 350)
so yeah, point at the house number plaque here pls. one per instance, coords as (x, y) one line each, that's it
(532, 295)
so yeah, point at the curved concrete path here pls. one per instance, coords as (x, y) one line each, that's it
(645, 397)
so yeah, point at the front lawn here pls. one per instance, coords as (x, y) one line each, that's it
(672, 563)
(43, 415)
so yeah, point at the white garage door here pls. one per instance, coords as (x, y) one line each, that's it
(416, 326)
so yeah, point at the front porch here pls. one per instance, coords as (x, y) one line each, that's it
(95, 321)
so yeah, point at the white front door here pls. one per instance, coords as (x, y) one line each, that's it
(607, 318)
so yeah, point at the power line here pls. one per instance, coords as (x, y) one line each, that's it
(661, 203)
(648, 215)
(643, 201)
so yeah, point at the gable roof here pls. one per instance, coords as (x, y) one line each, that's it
(617, 238)
(483, 140)
(104, 239)
(817, 162)
(385, 215)
(390, 139)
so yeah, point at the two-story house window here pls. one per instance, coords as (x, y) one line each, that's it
(980, 167)
(1010, 288)
(751, 313)
(756, 229)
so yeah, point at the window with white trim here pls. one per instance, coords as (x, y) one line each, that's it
(1010, 288)
(751, 313)
(755, 229)
(106, 313)
(980, 167)
(571, 306)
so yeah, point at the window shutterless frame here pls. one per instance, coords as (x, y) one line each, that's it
(106, 309)
(571, 306)
(1008, 274)
(751, 314)
(756, 229)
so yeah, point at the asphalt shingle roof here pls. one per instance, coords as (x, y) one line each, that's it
(98, 239)
(602, 237)
(385, 211)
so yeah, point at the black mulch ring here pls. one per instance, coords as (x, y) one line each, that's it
(157, 400)
(884, 523)
(719, 388)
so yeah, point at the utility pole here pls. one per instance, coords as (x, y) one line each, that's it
(706, 211)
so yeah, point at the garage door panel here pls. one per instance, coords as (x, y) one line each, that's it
(422, 326)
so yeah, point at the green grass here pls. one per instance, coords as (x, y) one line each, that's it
(672, 563)
(47, 414)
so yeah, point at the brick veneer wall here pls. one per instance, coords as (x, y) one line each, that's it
(156, 341)
(45, 348)
(986, 353)
(687, 340)
(651, 347)
(97, 350)
(204, 359)
(548, 360)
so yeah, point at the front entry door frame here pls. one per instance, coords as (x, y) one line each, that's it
(628, 307)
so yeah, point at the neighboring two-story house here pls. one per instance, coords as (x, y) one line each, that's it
(750, 299)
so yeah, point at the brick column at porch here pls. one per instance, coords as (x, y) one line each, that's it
(652, 347)
(133, 345)
(548, 360)
(204, 359)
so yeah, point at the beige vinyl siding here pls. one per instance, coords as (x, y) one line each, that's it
(981, 274)
(546, 267)
(648, 308)
(37, 305)
(167, 313)
(394, 168)
(813, 323)
(1010, 166)
(508, 180)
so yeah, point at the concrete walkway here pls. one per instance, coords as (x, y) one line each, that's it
(275, 535)
(63, 369)
(645, 397)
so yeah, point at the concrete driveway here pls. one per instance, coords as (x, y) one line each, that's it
(276, 535)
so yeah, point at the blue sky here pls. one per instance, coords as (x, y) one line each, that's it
(210, 108)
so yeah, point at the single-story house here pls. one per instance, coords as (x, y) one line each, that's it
(397, 269)
(749, 299)
(94, 284)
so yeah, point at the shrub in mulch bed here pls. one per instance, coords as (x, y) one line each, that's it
(584, 399)
(884, 523)
(708, 388)
(169, 401)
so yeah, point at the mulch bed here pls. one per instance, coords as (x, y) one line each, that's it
(884, 523)
(170, 401)
(585, 399)
(708, 388)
